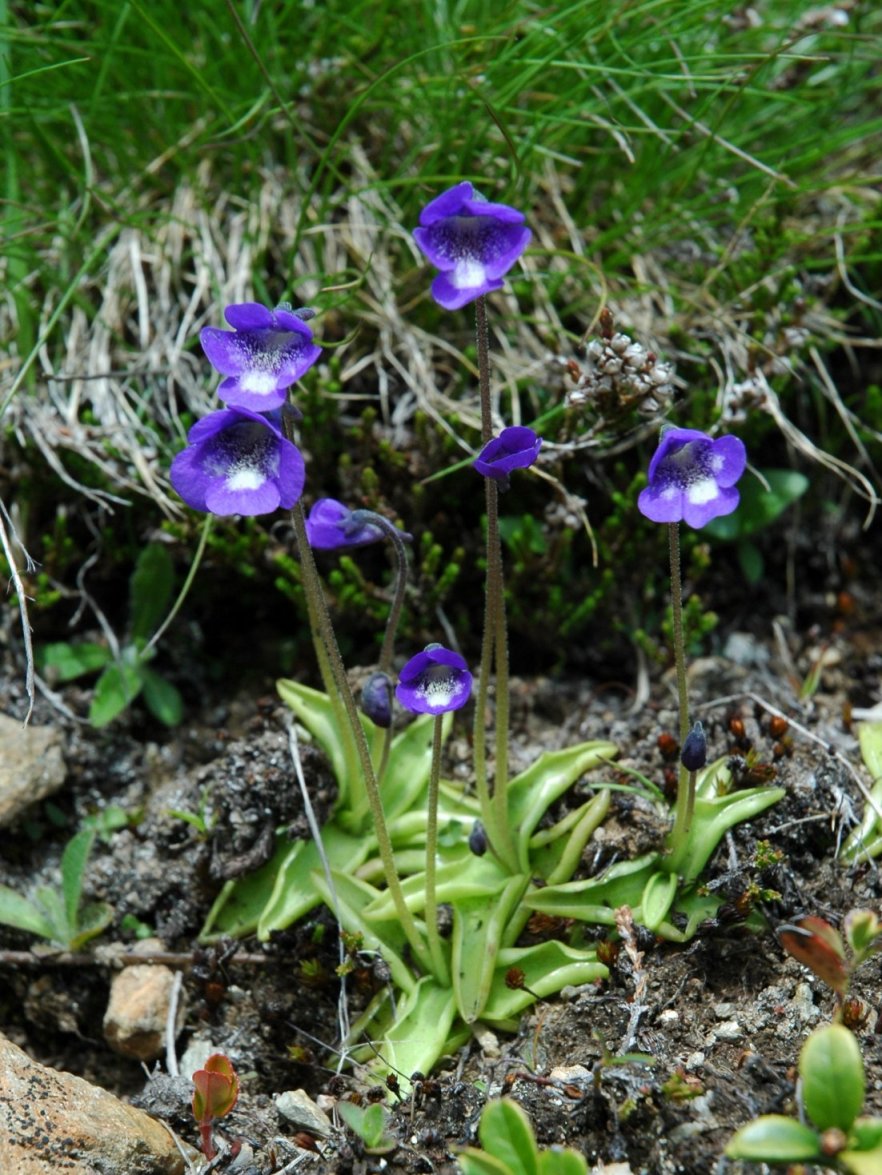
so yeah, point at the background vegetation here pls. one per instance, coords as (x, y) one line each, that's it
(707, 172)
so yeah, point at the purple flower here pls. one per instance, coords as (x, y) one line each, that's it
(331, 525)
(262, 356)
(434, 681)
(692, 477)
(238, 462)
(472, 242)
(515, 448)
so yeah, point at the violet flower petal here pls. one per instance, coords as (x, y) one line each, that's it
(238, 462)
(434, 681)
(330, 526)
(516, 447)
(692, 478)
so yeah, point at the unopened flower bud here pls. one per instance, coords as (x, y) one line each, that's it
(693, 756)
(376, 699)
(478, 842)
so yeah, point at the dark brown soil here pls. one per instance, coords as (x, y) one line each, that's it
(722, 1018)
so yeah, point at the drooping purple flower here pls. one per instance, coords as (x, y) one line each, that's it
(434, 681)
(238, 462)
(262, 356)
(473, 242)
(332, 525)
(516, 447)
(692, 478)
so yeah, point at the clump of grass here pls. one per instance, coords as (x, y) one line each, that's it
(709, 174)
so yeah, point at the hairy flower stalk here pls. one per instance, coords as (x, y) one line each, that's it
(473, 243)
(320, 620)
(434, 682)
(494, 643)
(333, 526)
(691, 478)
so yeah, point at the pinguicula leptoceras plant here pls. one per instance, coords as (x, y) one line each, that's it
(499, 857)
(474, 243)
(692, 479)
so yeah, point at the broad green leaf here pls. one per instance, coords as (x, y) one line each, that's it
(478, 927)
(475, 1162)
(74, 860)
(162, 699)
(751, 561)
(326, 721)
(461, 877)
(532, 793)
(369, 1123)
(547, 968)
(861, 1162)
(657, 898)
(240, 903)
(774, 1139)
(866, 1134)
(711, 820)
(556, 1161)
(117, 687)
(558, 855)
(150, 590)
(293, 893)
(506, 1133)
(23, 914)
(68, 662)
(832, 1073)
(418, 1035)
(597, 898)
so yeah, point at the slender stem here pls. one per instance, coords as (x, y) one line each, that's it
(435, 945)
(319, 610)
(494, 644)
(686, 781)
(396, 538)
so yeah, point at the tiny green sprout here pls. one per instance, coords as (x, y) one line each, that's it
(819, 946)
(216, 1092)
(766, 856)
(59, 915)
(369, 1123)
(682, 1086)
(508, 1147)
(125, 673)
(832, 1080)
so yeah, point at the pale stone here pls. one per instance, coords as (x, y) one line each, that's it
(298, 1107)
(53, 1122)
(134, 1023)
(31, 766)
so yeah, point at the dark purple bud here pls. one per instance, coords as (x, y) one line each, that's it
(478, 842)
(376, 699)
(694, 753)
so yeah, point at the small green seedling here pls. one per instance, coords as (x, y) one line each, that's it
(57, 914)
(832, 1079)
(820, 947)
(125, 673)
(369, 1123)
(216, 1092)
(508, 1147)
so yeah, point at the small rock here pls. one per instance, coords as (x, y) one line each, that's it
(728, 1030)
(134, 1023)
(31, 766)
(571, 1073)
(724, 1011)
(53, 1122)
(669, 1016)
(298, 1107)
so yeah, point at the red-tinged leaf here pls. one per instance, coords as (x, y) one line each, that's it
(818, 946)
(217, 1088)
